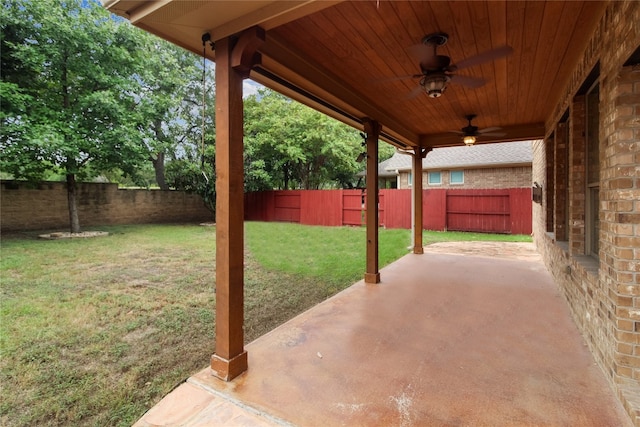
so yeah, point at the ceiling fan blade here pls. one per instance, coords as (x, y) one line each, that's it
(424, 54)
(483, 57)
(415, 92)
(456, 131)
(471, 82)
(491, 129)
(493, 134)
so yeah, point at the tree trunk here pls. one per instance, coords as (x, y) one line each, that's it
(73, 207)
(158, 167)
(285, 171)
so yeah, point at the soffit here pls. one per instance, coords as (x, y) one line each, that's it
(341, 57)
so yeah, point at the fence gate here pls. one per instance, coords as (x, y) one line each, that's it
(481, 211)
(352, 207)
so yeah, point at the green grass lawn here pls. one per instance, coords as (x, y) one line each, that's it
(95, 331)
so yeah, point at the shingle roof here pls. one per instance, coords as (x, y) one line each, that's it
(481, 155)
(383, 172)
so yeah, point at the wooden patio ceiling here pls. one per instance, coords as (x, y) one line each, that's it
(341, 57)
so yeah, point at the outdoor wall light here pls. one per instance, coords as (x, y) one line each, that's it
(435, 84)
(469, 140)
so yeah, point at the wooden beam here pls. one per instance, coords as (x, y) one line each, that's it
(372, 130)
(302, 72)
(245, 54)
(323, 102)
(270, 16)
(230, 358)
(511, 133)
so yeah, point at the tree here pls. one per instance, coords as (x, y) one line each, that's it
(288, 145)
(69, 87)
(191, 166)
(169, 111)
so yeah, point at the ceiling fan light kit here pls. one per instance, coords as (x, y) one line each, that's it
(435, 84)
(469, 140)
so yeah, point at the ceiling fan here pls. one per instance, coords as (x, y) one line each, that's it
(436, 71)
(470, 133)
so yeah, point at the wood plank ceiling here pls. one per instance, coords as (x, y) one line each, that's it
(344, 59)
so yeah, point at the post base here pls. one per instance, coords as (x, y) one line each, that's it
(418, 250)
(227, 370)
(372, 277)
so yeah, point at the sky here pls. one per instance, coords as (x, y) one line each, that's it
(249, 87)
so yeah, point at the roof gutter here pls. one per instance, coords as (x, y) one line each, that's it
(470, 166)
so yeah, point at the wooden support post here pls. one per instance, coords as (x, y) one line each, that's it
(230, 358)
(418, 155)
(372, 130)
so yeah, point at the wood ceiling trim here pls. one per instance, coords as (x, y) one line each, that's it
(515, 30)
(556, 52)
(587, 21)
(487, 95)
(498, 30)
(271, 16)
(146, 9)
(534, 11)
(547, 42)
(512, 133)
(298, 65)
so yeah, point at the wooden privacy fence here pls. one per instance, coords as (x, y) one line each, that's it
(491, 211)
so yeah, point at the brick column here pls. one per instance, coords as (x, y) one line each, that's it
(577, 185)
(561, 196)
(620, 221)
(548, 189)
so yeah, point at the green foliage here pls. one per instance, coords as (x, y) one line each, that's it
(70, 79)
(195, 178)
(385, 151)
(169, 113)
(288, 145)
(67, 69)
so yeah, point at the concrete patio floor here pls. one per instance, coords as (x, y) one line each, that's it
(478, 337)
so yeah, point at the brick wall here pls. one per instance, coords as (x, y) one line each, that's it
(485, 178)
(577, 170)
(602, 289)
(620, 221)
(44, 206)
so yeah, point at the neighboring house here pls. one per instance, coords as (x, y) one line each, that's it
(482, 166)
(387, 179)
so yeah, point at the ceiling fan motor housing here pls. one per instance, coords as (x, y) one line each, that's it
(470, 130)
(438, 39)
